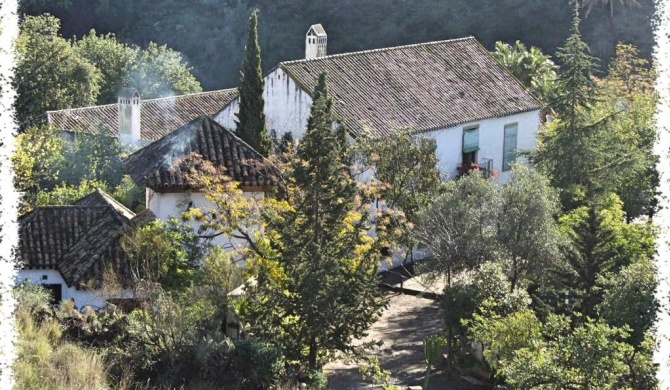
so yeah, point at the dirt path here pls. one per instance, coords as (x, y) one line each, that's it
(402, 328)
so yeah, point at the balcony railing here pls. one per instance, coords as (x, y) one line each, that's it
(485, 167)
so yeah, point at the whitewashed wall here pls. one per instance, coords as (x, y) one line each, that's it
(286, 106)
(491, 134)
(82, 297)
(173, 204)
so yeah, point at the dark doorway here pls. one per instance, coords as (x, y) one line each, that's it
(56, 291)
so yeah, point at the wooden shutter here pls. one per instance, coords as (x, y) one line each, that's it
(509, 146)
(471, 140)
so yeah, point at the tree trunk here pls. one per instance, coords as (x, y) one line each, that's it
(450, 333)
(311, 360)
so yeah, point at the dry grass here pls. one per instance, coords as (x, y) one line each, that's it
(46, 362)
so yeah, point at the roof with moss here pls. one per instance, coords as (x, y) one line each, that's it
(425, 86)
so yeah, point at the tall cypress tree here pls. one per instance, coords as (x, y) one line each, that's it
(251, 118)
(319, 291)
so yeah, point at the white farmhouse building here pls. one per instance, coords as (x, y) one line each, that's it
(453, 91)
(158, 167)
(68, 249)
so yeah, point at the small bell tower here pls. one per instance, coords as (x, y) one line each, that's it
(316, 41)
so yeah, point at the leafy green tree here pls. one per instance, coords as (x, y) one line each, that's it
(97, 157)
(159, 71)
(629, 92)
(168, 253)
(251, 117)
(629, 299)
(475, 220)
(65, 194)
(155, 71)
(36, 160)
(316, 286)
(529, 354)
(405, 179)
(487, 283)
(603, 137)
(458, 229)
(534, 69)
(50, 75)
(54, 73)
(527, 232)
(112, 58)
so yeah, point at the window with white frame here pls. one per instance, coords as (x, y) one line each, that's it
(509, 146)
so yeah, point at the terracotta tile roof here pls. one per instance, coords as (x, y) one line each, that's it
(154, 165)
(78, 240)
(157, 116)
(101, 198)
(425, 86)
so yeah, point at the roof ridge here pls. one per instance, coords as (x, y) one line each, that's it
(141, 101)
(115, 204)
(382, 49)
(81, 108)
(68, 206)
(186, 95)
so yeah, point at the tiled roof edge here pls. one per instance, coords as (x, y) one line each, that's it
(142, 101)
(382, 49)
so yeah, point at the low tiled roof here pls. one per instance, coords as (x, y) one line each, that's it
(101, 198)
(425, 86)
(143, 217)
(154, 165)
(157, 116)
(79, 240)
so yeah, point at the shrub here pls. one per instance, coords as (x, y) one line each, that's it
(318, 380)
(257, 363)
(214, 357)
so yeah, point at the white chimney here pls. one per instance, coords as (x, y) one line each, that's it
(316, 40)
(129, 116)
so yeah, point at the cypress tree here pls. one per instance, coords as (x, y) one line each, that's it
(251, 118)
(319, 291)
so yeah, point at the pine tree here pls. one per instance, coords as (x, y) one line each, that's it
(591, 254)
(319, 292)
(566, 151)
(251, 118)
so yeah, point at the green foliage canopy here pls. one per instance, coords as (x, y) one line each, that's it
(54, 73)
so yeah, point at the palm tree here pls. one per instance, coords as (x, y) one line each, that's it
(534, 69)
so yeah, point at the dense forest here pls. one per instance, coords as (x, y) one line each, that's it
(211, 33)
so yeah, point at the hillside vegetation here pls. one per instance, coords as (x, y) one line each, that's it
(211, 33)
